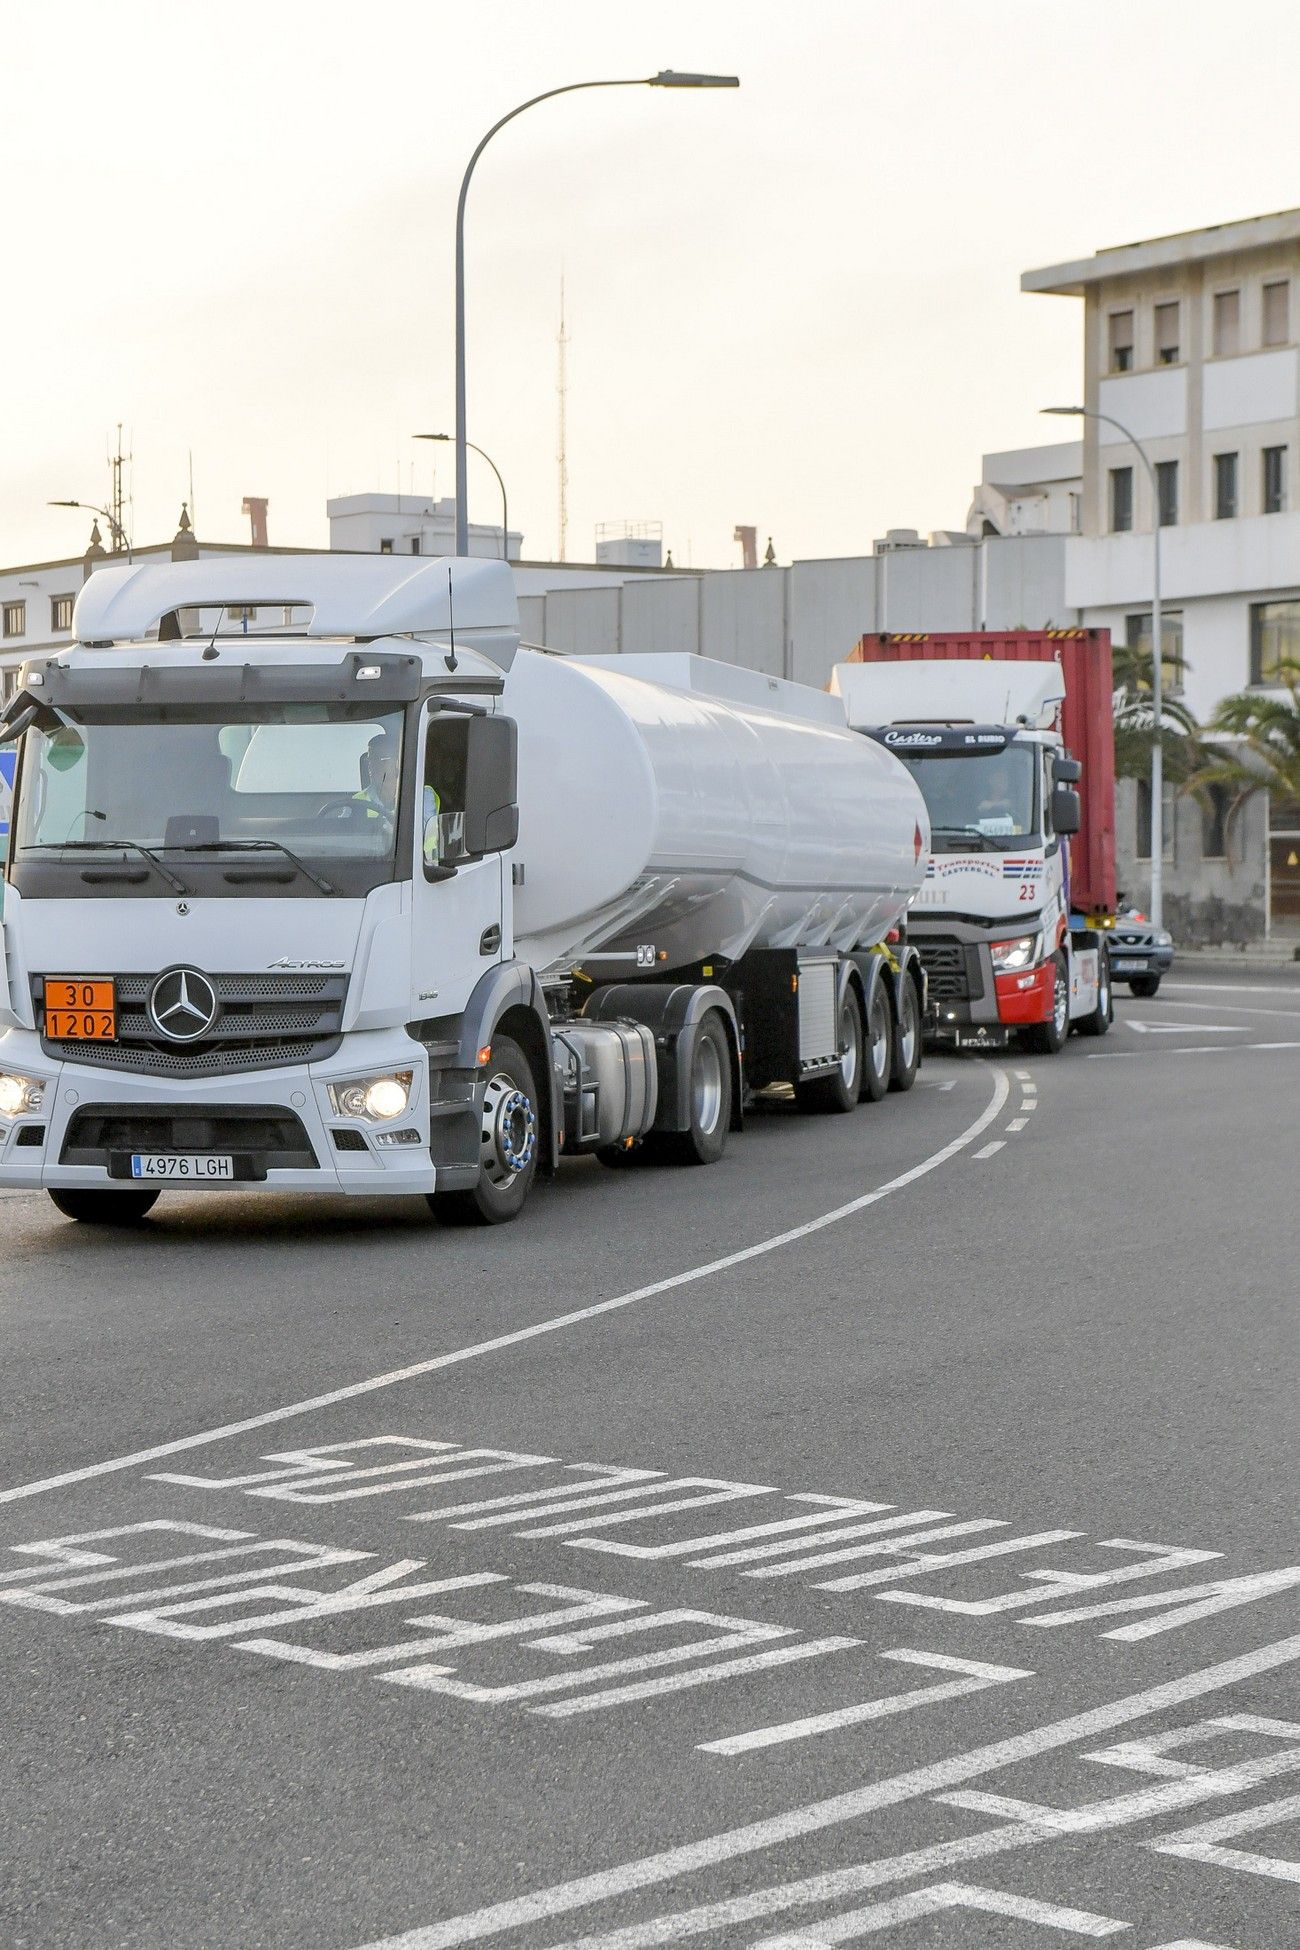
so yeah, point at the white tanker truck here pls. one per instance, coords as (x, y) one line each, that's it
(319, 881)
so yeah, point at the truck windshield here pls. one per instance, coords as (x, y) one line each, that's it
(319, 779)
(990, 797)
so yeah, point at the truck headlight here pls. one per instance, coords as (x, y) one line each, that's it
(1164, 939)
(1020, 953)
(19, 1095)
(377, 1099)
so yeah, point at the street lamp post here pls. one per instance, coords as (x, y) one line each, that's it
(505, 512)
(1157, 660)
(665, 79)
(115, 528)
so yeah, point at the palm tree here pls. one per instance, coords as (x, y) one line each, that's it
(1264, 752)
(1135, 721)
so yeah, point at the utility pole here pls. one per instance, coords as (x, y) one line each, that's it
(562, 443)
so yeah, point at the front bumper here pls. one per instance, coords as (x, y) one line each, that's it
(1142, 958)
(33, 1147)
(970, 1003)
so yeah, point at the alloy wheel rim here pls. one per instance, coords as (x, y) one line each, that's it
(509, 1131)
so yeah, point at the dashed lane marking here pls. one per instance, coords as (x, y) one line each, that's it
(554, 1325)
(1016, 1124)
(989, 1149)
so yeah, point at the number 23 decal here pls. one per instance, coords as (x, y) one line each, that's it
(1028, 891)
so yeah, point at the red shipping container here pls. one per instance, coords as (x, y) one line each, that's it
(1086, 725)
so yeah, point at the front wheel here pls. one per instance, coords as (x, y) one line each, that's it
(1145, 986)
(1103, 1015)
(105, 1208)
(907, 1037)
(1047, 1038)
(508, 1139)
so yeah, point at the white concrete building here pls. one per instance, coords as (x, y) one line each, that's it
(1193, 343)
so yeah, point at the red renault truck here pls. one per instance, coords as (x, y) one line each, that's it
(1009, 734)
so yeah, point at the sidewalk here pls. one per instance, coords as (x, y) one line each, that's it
(1281, 952)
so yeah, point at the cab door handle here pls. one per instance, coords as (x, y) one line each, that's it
(490, 939)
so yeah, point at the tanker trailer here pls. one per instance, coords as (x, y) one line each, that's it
(418, 910)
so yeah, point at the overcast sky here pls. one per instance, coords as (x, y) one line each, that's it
(230, 227)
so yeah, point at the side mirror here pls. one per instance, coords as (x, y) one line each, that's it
(1065, 809)
(491, 785)
(1066, 770)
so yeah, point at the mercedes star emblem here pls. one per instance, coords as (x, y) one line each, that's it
(182, 1005)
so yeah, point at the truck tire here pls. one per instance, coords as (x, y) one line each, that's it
(508, 1145)
(838, 1091)
(1048, 1038)
(105, 1208)
(878, 1062)
(907, 1038)
(1144, 985)
(710, 1099)
(1104, 1014)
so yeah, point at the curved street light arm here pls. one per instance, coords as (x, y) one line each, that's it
(462, 471)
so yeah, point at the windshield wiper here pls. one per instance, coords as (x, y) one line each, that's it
(259, 846)
(100, 846)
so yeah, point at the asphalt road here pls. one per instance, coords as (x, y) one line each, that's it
(925, 1568)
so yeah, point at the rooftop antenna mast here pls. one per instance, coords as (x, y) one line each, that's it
(562, 445)
(117, 500)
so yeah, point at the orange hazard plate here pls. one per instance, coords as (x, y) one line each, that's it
(80, 1007)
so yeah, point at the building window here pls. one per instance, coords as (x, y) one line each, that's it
(386, 545)
(1274, 480)
(1274, 639)
(1121, 341)
(1277, 312)
(1215, 808)
(1137, 635)
(1168, 807)
(1227, 322)
(15, 619)
(61, 612)
(1167, 492)
(1121, 500)
(415, 545)
(1225, 487)
(1167, 333)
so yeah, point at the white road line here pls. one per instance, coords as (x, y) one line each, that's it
(1200, 1049)
(989, 1149)
(1199, 1844)
(675, 1682)
(977, 1678)
(1016, 1124)
(554, 1325)
(1021, 1076)
(817, 1816)
(1229, 988)
(939, 1896)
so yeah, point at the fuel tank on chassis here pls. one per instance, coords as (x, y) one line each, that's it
(708, 814)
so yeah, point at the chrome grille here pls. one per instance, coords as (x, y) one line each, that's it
(264, 1021)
